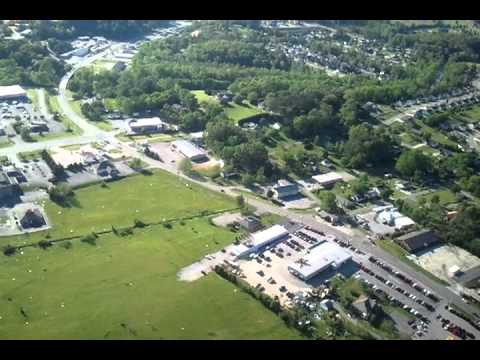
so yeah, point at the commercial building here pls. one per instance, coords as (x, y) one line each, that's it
(284, 188)
(12, 92)
(469, 278)
(147, 125)
(328, 179)
(33, 218)
(250, 223)
(8, 186)
(417, 240)
(189, 150)
(390, 216)
(324, 256)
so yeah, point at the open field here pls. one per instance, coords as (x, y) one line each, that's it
(127, 288)
(145, 197)
(233, 111)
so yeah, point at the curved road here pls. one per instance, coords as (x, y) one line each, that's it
(91, 133)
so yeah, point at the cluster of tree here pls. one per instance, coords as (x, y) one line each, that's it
(366, 145)
(28, 63)
(114, 29)
(463, 230)
(60, 193)
(240, 151)
(236, 52)
(57, 169)
(93, 111)
(414, 164)
(59, 46)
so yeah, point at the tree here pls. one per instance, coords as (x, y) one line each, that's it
(25, 134)
(136, 164)
(329, 202)
(237, 99)
(240, 201)
(60, 193)
(413, 162)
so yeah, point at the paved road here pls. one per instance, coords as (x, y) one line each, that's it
(92, 133)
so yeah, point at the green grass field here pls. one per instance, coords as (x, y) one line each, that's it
(445, 196)
(33, 96)
(145, 197)
(127, 288)
(233, 111)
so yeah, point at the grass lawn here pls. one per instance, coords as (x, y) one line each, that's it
(471, 115)
(54, 107)
(396, 250)
(145, 197)
(271, 219)
(152, 139)
(127, 288)
(446, 197)
(233, 111)
(76, 107)
(237, 112)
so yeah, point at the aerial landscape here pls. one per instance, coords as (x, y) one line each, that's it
(240, 179)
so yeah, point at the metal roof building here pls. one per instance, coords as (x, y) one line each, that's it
(12, 92)
(189, 150)
(320, 258)
(265, 237)
(328, 178)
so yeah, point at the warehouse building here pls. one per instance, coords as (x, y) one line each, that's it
(322, 257)
(328, 179)
(190, 150)
(12, 92)
(260, 240)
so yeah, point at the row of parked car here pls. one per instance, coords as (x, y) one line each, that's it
(309, 239)
(475, 324)
(395, 301)
(456, 330)
(405, 279)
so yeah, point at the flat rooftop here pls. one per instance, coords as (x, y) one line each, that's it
(188, 148)
(328, 177)
(154, 121)
(322, 256)
(12, 91)
(270, 234)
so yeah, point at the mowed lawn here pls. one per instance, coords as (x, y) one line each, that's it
(145, 197)
(127, 288)
(233, 111)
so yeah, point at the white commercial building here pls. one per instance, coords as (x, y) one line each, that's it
(328, 178)
(260, 240)
(12, 92)
(320, 258)
(392, 217)
(189, 150)
(147, 125)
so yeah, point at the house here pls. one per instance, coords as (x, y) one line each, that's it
(250, 223)
(364, 306)
(33, 218)
(417, 240)
(284, 189)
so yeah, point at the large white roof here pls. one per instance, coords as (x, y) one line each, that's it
(154, 121)
(327, 178)
(12, 91)
(188, 148)
(271, 234)
(320, 258)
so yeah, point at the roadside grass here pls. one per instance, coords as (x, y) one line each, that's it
(151, 139)
(33, 96)
(5, 142)
(30, 155)
(76, 106)
(145, 197)
(127, 288)
(396, 250)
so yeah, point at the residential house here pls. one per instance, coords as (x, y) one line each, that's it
(284, 189)
(417, 240)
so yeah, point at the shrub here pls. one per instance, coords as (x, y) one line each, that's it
(44, 244)
(9, 250)
(67, 245)
(139, 224)
(167, 225)
(90, 239)
(125, 232)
